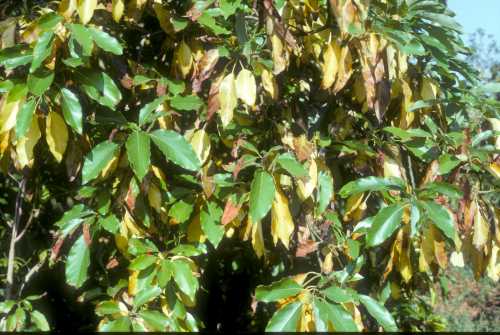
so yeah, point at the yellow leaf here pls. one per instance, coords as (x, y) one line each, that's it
(132, 282)
(426, 256)
(493, 268)
(10, 106)
(4, 142)
(111, 167)
(86, 10)
(25, 145)
(201, 144)
(330, 64)
(56, 134)
(327, 265)
(306, 319)
(282, 226)
(494, 169)
(404, 262)
(481, 230)
(117, 10)
(67, 8)
(344, 69)
(227, 99)
(154, 197)
(269, 83)
(429, 89)
(258, 239)
(133, 229)
(246, 89)
(194, 232)
(184, 58)
(279, 55)
(457, 259)
(391, 167)
(352, 204)
(306, 188)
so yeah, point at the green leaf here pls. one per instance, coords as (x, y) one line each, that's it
(142, 262)
(165, 273)
(40, 321)
(13, 57)
(176, 148)
(384, 224)
(139, 80)
(146, 112)
(107, 308)
(82, 35)
(186, 103)
(155, 320)
(286, 319)
(408, 133)
(6, 86)
(137, 246)
(97, 160)
(181, 211)
(40, 80)
(288, 162)
(24, 117)
(99, 87)
(210, 223)
(379, 312)
(6, 306)
(106, 42)
(49, 21)
(334, 317)
(414, 219)
(229, 7)
(441, 218)
(72, 110)
(119, 325)
(325, 190)
(145, 295)
(139, 153)
(261, 195)
(110, 223)
(77, 263)
(209, 22)
(447, 163)
(284, 288)
(449, 190)
(420, 104)
(337, 294)
(185, 279)
(371, 184)
(42, 50)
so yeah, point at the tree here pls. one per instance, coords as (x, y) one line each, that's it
(345, 141)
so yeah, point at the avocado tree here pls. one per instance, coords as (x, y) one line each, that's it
(346, 142)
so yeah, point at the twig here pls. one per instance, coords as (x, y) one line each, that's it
(12, 248)
(30, 273)
(33, 214)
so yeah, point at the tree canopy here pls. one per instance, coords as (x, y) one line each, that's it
(346, 144)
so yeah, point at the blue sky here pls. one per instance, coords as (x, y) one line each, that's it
(474, 14)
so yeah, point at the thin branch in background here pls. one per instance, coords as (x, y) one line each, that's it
(12, 248)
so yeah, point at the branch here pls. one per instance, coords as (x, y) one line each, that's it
(12, 248)
(33, 214)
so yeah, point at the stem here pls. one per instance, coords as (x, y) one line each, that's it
(12, 248)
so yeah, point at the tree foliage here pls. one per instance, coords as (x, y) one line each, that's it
(346, 142)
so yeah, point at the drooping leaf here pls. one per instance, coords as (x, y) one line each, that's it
(77, 263)
(379, 312)
(281, 289)
(56, 135)
(288, 162)
(227, 98)
(384, 224)
(441, 217)
(24, 118)
(105, 41)
(176, 149)
(97, 160)
(261, 195)
(282, 226)
(72, 110)
(40, 80)
(184, 278)
(139, 153)
(370, 184)
(246, 89)
(285, 319)
(334, 315)
(86, 10)
(42, 50)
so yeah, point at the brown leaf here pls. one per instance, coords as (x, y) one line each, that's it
(230, 212)
(161, 89)
(126, 81)
(305, 248)
(213, 100)
(86, 234)
(303, 148)
(113, 263)
(204, 69)
(56, 248)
